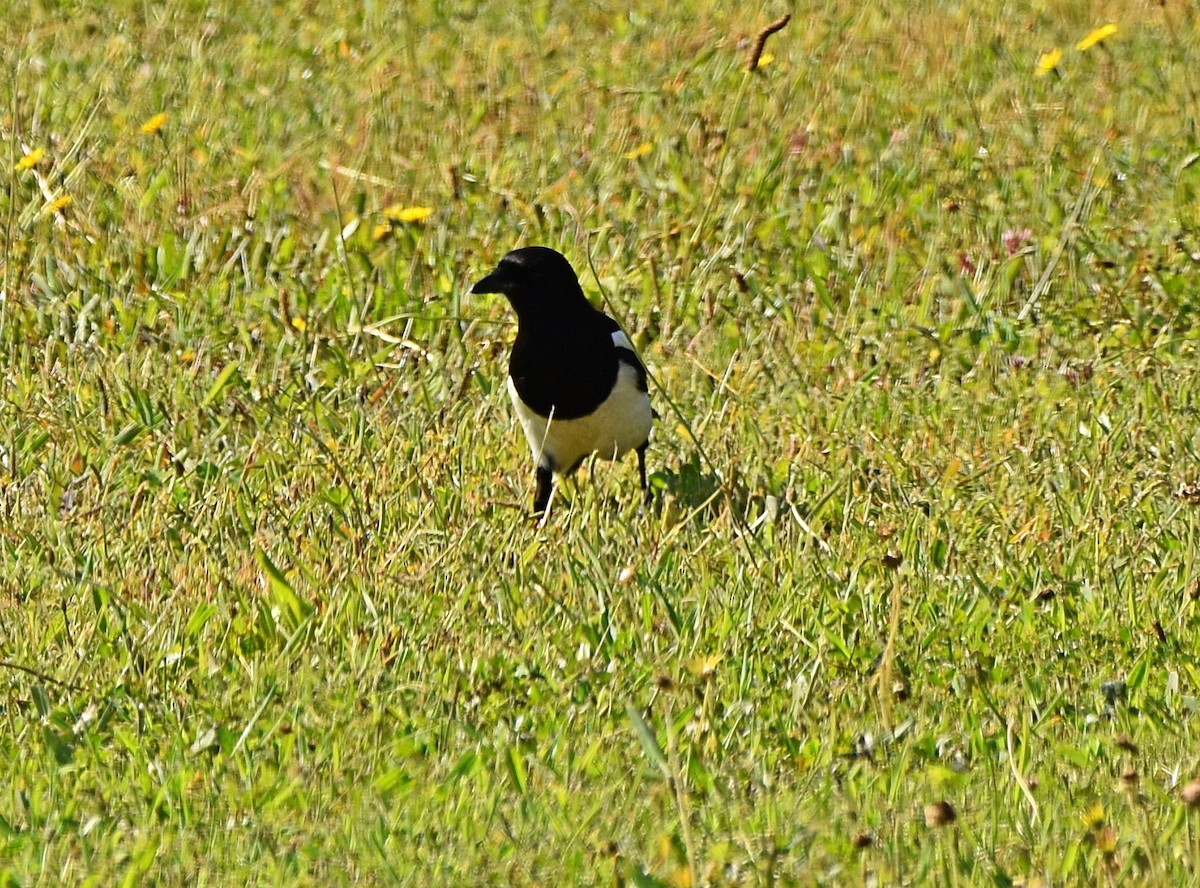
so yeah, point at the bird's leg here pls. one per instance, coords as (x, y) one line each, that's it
(541, 498)
(641, 452)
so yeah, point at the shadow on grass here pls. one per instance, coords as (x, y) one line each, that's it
(694, 487)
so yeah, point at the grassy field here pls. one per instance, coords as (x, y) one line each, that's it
(915, 603)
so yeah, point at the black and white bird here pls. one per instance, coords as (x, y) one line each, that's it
(576, 384)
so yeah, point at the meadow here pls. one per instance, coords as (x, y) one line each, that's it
(915, 601)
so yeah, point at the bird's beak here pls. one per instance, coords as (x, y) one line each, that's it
(496, 282)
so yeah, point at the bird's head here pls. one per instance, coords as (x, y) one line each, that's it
(535, 280)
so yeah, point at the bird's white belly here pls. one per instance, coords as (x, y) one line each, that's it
(614, 428)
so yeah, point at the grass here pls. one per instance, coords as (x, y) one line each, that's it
(926, 328)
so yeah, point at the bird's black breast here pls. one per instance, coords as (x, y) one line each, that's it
(568, 368)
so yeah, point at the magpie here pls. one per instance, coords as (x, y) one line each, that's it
(575, 382)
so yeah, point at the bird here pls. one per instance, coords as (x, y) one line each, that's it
(576, 384)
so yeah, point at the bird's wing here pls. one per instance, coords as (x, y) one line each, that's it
(625, 352)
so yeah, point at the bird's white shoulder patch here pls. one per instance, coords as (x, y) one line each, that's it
(620, 340)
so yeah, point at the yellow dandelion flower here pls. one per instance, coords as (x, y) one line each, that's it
(59, 203)
(299, 323)
(1048, 61)
(765, 59)
(30, 159)
(380, 231)
(153, 124)
(1099, 35)
(640, 151)
(1093, 817)
(397, 213)
(703, 667)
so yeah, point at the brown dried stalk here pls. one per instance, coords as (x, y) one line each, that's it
(775, 26)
